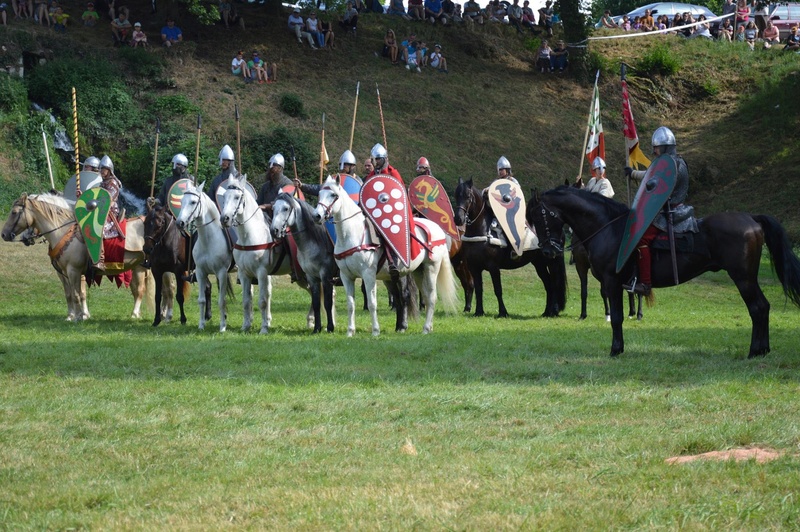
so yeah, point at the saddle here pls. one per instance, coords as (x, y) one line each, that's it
(685, 242)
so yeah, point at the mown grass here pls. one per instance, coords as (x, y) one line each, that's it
(485, 424)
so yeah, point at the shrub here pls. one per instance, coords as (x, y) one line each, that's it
(143, 63)
(292, 105)
(658, 61)
(13, 95)
(259, 148)
(173, 105)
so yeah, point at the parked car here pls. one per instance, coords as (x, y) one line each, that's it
(665, 8)
(784, 16)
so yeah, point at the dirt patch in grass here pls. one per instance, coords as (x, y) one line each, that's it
(758, 454)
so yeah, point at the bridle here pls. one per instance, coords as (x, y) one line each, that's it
(329, 207)
(468, 205)
(239, 206)
(22, 207)
(551, 238)
(197, 212)
(163, 233)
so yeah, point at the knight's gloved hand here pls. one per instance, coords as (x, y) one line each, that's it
(628, 172)
(151, 202)
(298, 183)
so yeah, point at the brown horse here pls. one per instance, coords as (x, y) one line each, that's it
(728, 241)
(53, 218)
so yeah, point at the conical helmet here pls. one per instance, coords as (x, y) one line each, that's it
(598, 163)
(663, 136)
(92, 162)
(180, 159)
(379, 152)
(276, 160)
(106, 162)
(423, 163)
(226, 153)
(346, 158)
(503, 163)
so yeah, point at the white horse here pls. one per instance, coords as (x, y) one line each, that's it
(53, 218)
(212, 253)
(359, 256)
(258, 256)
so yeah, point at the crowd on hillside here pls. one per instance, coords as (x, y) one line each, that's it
(744, 23)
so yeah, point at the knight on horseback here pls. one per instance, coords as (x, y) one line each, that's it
(423, 166)
(598, 184)
(274, 184)
(91, 164)
(227, 169)
(495, 232)
(113, 185)
(677, 216)
(179, 171)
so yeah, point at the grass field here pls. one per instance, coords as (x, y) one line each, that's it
(520, 423)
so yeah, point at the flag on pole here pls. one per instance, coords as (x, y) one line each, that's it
(635, 155)
(323, 156)
(596, 146)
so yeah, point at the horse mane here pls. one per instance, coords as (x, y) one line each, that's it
(612, 207)
(315, 231)
(53, 206)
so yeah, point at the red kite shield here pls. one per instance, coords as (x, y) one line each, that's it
(175, 194)
(384, 201)
(428, 196)
(654, 190)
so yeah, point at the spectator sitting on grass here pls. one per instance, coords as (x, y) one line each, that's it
(472, 11)
(434, 11)
(397, 8)
(350, 18)
(312, 27)
(437, 60)
(416, 10)
(90, 17)
(740, 33)
(793, 40)
(771, 35)
(626, 23)
(390, 48)
(528, 18)
(750, 34)
(258, 70)
(121, 28)
(607, 20)
(725, 32)
(60, 20)
(558, 57)
(543, 57)
(171, 34)
(702, 30)
(515, 15)
(225, 12)
(139, 37)
(239, 67)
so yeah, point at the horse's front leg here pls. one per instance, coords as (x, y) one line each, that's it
(350, 293)
(614, 292)
(328, 297)
(400, 291)
(477, 279)
(183, 289)
(428, 283)
(265, 300)
(314, 286)
(203, 299)
(159, 285)
(247, 300)
(223, 282)
(497, 284)
(169, 287)
(138, 282)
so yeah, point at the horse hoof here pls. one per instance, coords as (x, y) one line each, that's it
(608, 319)
(351, 333)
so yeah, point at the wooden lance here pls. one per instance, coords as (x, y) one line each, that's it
(47, 154)
(294, 168)
(75, 141)
(622, 73)
(353, 126)
(238, 137)
(380, 108)
(322, 151)
(155, 159)
(197, 147)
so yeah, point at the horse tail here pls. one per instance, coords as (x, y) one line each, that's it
(785, 263)
(230, 293)
(446, 287)
(559, 278)
(412, 297)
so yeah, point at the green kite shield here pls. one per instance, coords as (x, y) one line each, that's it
(91, 211)
(428, 196)
(175, 194)
(508, 205)
(654, 191)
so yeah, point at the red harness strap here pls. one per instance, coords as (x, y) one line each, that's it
(256, 247)
(429, 245)
(59, 247)
(353, 251)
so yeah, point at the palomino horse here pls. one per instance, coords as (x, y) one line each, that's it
(258, 256)
(480, 255)
(359, 256)
(212, 253)
(727, 241)
(165, 247)
(53, 217)
(314, 251)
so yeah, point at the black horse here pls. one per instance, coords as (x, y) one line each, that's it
(166, 248)
(480, 255)
(580, 257)
(727, 241)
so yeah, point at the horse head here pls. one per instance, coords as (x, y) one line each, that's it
(156, 224)
(464, 202)
(327, 202)
(548, 224)
(284, 210)
(191, 205)
(234, 200)
(17, 219)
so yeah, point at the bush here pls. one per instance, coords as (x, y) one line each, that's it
(143, 63)
(292, 105)
(173, 105)
(259, 148)
(658, 61)
(13, 95)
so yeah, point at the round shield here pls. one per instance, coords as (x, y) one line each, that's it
(350, 185)
(88, 180)
(175, 194)
(224, 186)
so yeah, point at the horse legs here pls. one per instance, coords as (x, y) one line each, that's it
(328, 297)
(314, 287)
(137, 289)
(183, 289)
(639, 314)
(400, 295)
(203, 296)
(223, 282)
(584, 280)
(350, 293)
(168, 288)
(613, 289)
(247, 301)
(551, 306)
(265, 301)
(467, 283)
(477, 279)
(159, 284)
(428, 284)
(758, 308)
(497, 284)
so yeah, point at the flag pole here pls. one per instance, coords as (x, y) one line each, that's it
(622, 72)
(353, 126)
(588, 127)
(380, 108)
(75, 141)
(322, 151)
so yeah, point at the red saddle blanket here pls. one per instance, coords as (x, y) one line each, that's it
(114, 251)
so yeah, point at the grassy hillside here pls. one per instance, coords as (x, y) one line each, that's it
(732, 110)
